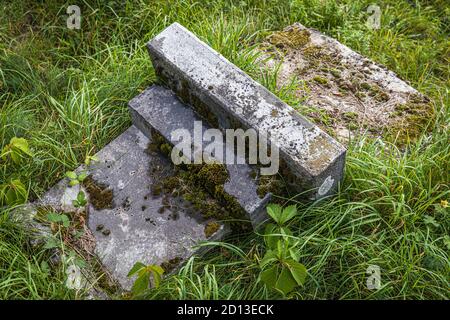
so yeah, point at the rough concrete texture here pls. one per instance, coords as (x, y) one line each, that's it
(342, 91)
(130, 228)
(229, 98)
(158, 108)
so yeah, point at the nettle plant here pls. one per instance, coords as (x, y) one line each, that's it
(145, 275)
(281, 270)
(14, 191)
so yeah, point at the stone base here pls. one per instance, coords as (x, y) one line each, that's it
(131, 228)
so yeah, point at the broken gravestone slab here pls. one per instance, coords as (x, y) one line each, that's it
(127, 221)
(342, 91)
(158, 111)
(310, 160)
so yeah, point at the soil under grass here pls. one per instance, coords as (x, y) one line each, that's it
(66, 91)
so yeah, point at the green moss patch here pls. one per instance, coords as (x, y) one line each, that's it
(294, 38)
(201, 185)
(211, 228)
(100, 195)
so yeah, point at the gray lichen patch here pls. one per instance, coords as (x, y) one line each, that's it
(343, 92)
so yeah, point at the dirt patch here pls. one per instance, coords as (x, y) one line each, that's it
(343, 92)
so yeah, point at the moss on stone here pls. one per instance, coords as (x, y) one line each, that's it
(321, 80)
(271, 184)
(412, 119)
(336, 73)
(350, 115)
(100, 195)
(211, 228)
(294, 38)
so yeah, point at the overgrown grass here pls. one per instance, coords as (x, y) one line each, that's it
(66, 92)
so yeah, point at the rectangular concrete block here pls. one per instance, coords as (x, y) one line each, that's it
(226, 97)
(158, 109)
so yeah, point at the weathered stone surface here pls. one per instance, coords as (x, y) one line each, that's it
(344, 92)
(228, 98)
(158, 108)
(130, 228)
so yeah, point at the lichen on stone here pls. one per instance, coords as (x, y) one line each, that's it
(202, 185)
(411, 119)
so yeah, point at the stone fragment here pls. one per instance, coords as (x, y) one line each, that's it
(124, 233)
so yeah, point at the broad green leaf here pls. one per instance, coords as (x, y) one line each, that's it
(137, 266)
(88, 160)
(285, 283)
(155, 268)
(294, 253)
(45, 268)
(269, 276)
(73, 182)
(157, 272)
(82, 176)
(11, 197)
(298, 271)
(65, 220)
(288, 213)
(15, 157)
(71, 175)
(51, 243)
(274, 211)
(80, 262)
(14, 192)
(270, 238)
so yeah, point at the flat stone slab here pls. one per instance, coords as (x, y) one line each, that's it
(135, 228)
(344, 92)
(159, 109)
(228, 98)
